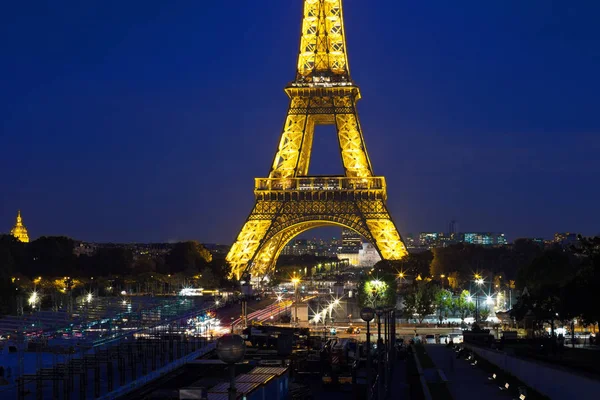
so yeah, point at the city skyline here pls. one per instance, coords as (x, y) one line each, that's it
(321, 234)
(109, 137)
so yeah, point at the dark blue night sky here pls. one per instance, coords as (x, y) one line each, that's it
(148, 120)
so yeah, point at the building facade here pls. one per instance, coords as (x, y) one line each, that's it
(19, 231)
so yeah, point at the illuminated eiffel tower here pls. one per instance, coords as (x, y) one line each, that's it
(290, 201)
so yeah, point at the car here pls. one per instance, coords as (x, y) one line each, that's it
(353, 330)
(456, 338)
(430, 339)
(444, 339)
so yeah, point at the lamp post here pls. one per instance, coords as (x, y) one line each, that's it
(380, 394)
(231, 350)
(295, 281)
(367, 314)
(385, 327)
(478, 282)
(279, 299)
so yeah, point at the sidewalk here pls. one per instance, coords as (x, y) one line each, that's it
(399, 388)
(464, 380)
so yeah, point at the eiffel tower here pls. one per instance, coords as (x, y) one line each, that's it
(290, 201)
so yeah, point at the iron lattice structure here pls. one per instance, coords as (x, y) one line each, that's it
(289, 201)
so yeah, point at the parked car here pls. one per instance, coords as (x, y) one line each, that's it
(430, 339)
(444, 339)
(456, 337)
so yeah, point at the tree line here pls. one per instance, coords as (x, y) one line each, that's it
(555, 284)
(50, 263)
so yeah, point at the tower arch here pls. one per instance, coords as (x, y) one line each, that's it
(266, 257)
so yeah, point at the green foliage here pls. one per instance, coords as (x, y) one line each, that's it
(547, 279)
(414, 264)
(463, 304)
(460, 261)
(144, 265)
(112, 261)
(191, 256)
(208, 279)
(7, 263)
(377, 292)
(484, 313)
(443, 302)
(50, 255)
(420, 301)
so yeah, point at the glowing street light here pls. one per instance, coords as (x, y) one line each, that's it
(33, 299)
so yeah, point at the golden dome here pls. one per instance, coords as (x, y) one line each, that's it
(19, 231)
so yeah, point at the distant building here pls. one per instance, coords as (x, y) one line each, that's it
(19, 231)
(484, 238)
(368, 255)
(409, 241)
(566, 239)
(452, 227)
(152, 250)
(351, 241)
(430, 240)
(352, 258)
(316, 247)
(217, 249)
(85, 249)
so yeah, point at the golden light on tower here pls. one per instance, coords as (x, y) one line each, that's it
(19, 231)
(290, 201)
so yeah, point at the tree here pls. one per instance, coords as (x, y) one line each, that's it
(581, 293)
(208, 279)
(377, 292)
(546, 279)
(50, 256)
(454, 280)
(464, 305)
(187, 256)
(144, 264)
(484, 313)
(415, 264)
(443, 303)
(7, 261)
(112, 261)
(420, 301)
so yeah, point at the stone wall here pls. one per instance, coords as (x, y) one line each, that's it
(554, 382)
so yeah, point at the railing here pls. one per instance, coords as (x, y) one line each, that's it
(319, 183)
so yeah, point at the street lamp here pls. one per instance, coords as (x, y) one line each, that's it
(279, 299)
(295, 281)
(367, 314)
(379, 313)
(231, 350)
(479, 282)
